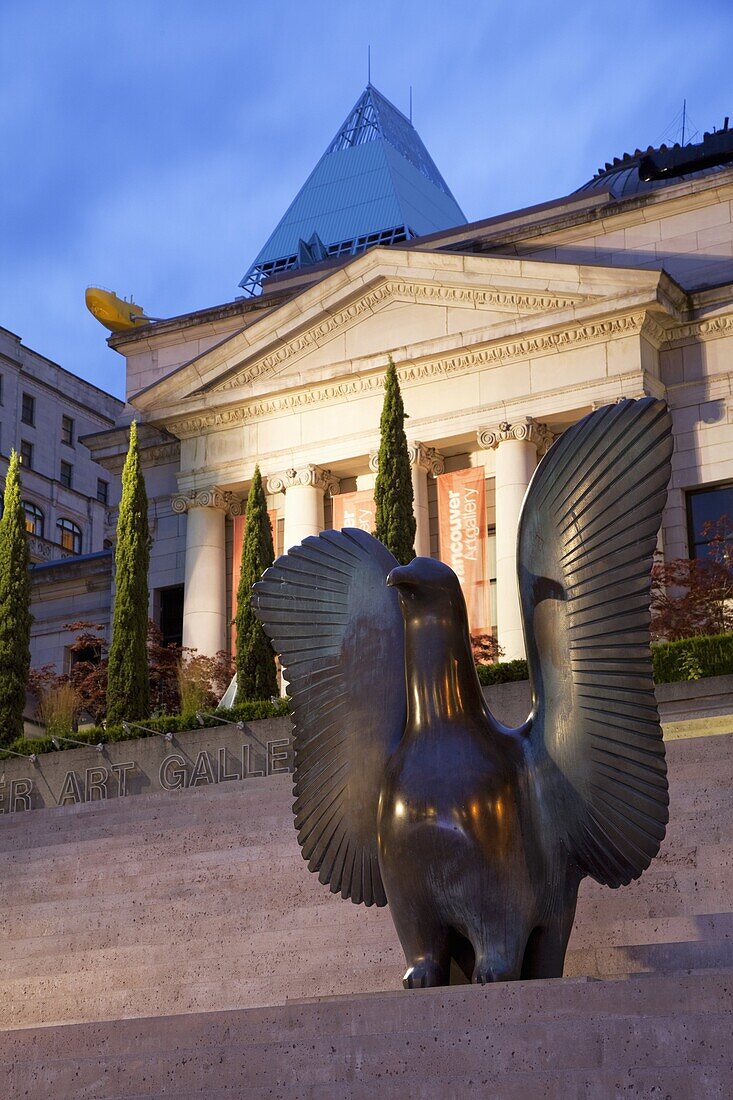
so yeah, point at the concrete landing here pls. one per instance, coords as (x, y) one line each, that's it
(650, 1036)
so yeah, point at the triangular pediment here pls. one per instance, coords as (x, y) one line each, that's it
(403, 303)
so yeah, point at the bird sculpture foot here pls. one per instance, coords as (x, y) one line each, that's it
(424, 973)
(487, 971)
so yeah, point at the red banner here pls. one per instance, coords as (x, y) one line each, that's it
(237, 540)
(462, 535)
(355, 510)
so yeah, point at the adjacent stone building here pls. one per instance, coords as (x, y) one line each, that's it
(44, 412)
(504, 332)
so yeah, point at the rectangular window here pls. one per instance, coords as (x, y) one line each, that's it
(170, 614)
(709, 520)
(67, 430)
(28, 409)
(26, 454)
(102, 491)
(67, 475)
(1, 389)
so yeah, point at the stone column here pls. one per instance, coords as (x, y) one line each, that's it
(516, 446)
(423, 461)
(204, 597)
(304, 490)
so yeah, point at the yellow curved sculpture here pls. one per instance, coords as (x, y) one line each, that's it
(113, 312)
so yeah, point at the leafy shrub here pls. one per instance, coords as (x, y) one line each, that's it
(503, 672)
(193, 689)
(693, 658)
(58, 709)
(486, 649)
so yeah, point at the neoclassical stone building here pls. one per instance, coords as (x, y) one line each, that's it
(504, 333)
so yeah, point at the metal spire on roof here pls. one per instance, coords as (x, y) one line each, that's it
(375, 184)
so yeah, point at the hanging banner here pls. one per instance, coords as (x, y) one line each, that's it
(462, 535)
(238, 525)
(355, 510)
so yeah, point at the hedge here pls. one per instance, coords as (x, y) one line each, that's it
(693, 658)
(689, 659)
(503, 672)
(252, 711)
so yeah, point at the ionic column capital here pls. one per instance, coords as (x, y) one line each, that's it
(422, 456)
(220, 499)
(310, 476)
(525, 429)
(427, 458)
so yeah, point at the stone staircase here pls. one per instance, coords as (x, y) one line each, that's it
(175, 931)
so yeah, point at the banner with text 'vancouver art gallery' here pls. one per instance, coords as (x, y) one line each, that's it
(462, 535)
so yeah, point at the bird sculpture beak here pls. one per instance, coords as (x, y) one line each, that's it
(399, 576)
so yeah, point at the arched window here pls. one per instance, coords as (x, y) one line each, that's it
(33, 518)
(69, 535)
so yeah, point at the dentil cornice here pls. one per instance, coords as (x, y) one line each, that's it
(396, 290)
(460, 362)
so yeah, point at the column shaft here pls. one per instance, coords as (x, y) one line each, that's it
(303, 513)
(516, 447)
(204, 600)
(420, 507)
(515, 463)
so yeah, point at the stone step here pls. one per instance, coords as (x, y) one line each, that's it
(233, 865)
(708, 815)
(254, 949)
(569, 1038)
(123, 943)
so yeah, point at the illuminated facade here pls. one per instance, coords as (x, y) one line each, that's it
(504, 333)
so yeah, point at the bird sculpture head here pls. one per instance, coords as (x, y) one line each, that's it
(425, 585)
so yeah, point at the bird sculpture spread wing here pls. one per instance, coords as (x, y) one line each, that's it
(587, 535)
(338, 628)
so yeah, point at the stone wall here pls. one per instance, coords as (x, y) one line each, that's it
(196, 758)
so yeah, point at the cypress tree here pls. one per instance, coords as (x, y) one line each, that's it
(393, 496)
(128, 679)
(256, 673)
(15, 613)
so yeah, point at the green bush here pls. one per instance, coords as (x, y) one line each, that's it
(693, 658)
(503, 672)
(251, 711)
(689, 659)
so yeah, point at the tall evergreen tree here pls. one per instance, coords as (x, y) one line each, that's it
(393, 495)
(256, 673)
(15, 613)
(128, 680)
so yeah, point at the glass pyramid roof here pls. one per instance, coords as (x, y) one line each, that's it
(375, 184)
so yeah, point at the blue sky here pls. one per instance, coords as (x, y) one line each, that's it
(152, 147)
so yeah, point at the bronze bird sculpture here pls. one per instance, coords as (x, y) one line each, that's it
(408, 791)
